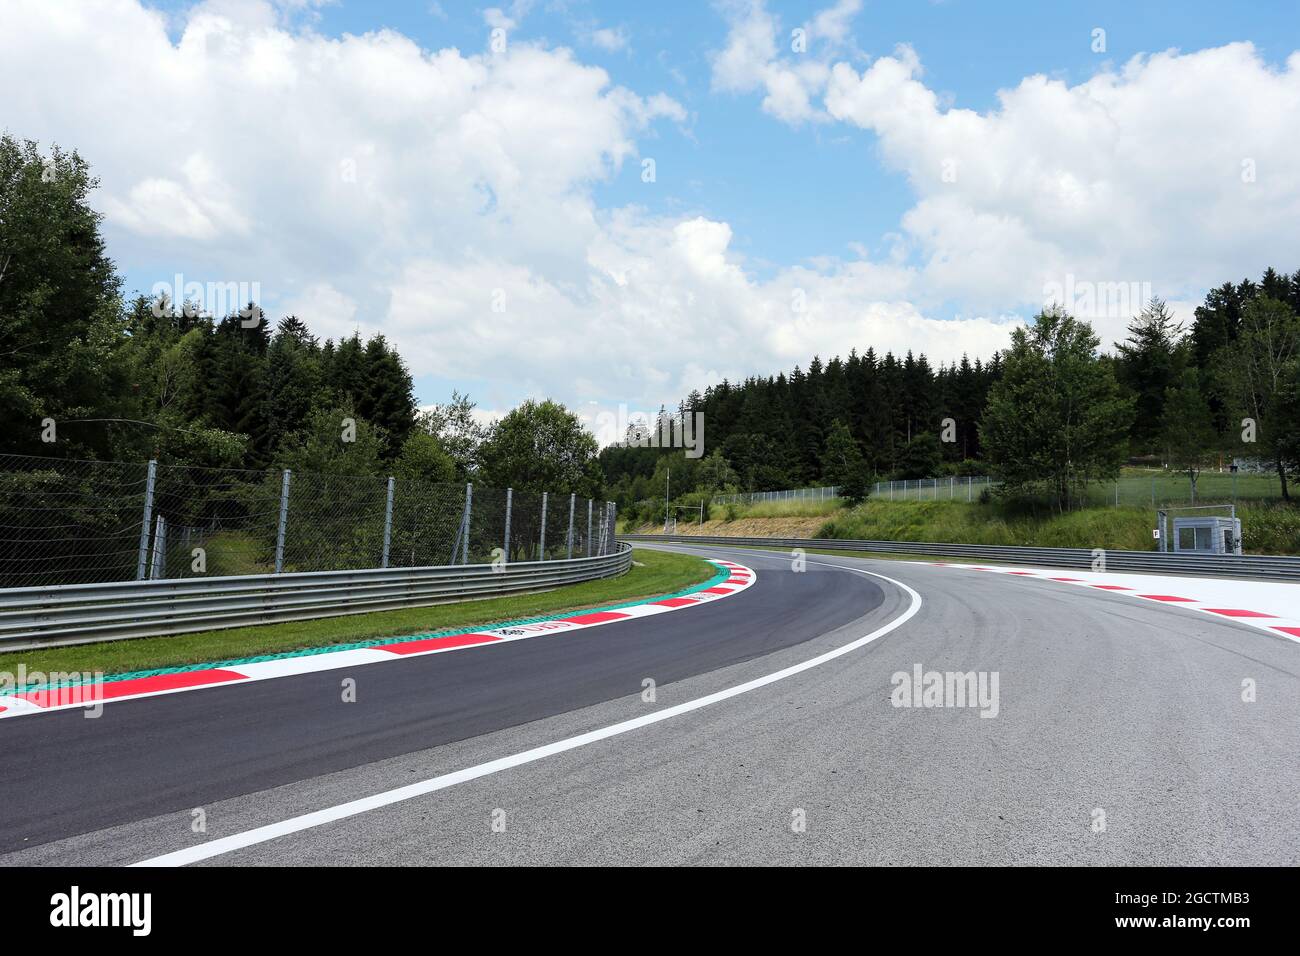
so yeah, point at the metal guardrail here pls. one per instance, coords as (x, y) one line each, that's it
(84, 613)
(1279, 567)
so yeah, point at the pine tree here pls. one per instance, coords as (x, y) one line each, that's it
(1149, 362)
(843, 464)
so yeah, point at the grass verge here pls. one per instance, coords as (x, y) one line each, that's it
(1265, 528)
(653, 573)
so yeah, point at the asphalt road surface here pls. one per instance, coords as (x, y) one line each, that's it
(1120, 736)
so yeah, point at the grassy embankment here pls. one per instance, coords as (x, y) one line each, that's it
(652, 573)
(1267, 527)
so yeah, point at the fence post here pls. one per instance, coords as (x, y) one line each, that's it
(388, 522)
(284, 521)
(541, 547)
(469, 510)
(573, 498)
(148, 518)
(510, 494)
(588, 527)
(609, 525)
(157, 567)
(969, 479)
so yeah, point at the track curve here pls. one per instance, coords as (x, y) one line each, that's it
(1111, 710)
(154, 755)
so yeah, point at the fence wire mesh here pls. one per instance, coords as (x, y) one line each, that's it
(1134, 488)
(80, 522)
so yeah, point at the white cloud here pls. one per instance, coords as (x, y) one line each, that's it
(496, 18)
(366, 183)
(753, 60)
(1132, 176)
(1141, 175)
(328, 312)
(609, 39)
(833, 23)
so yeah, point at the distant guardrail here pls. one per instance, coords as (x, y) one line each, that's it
(1279, 567)
(85, 613)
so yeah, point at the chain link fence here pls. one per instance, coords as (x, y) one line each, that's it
(791, 494)
(1154, 488)
(79, 522)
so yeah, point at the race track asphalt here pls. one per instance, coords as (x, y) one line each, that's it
(152, 755)
(1121, 737)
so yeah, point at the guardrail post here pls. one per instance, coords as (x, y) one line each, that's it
(573, 499)
(284, 521)
(148, 517)
(588, 527)
(388, 522)
(541, 547)
(469, 503)
(510, 495)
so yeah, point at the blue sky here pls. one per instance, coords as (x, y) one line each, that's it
(479, 174)
(733, 162)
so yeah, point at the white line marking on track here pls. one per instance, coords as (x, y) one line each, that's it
(272, 831)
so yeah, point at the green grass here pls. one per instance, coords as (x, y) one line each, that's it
(652, 573)
(234, 552)
(794, 508)
(1266, 529)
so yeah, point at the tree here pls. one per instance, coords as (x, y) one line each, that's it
(843, 464)
(1150, 362)
(334, 441)
(387, 393)
(1287, 440)
(457, 429)
(1253, 370)
(60, 317)
(757, 459)
(1187, 428)
(1056, 419)
(541, 446)
(291, 381)
(423, 459)
(715, 473)
(921, 457)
